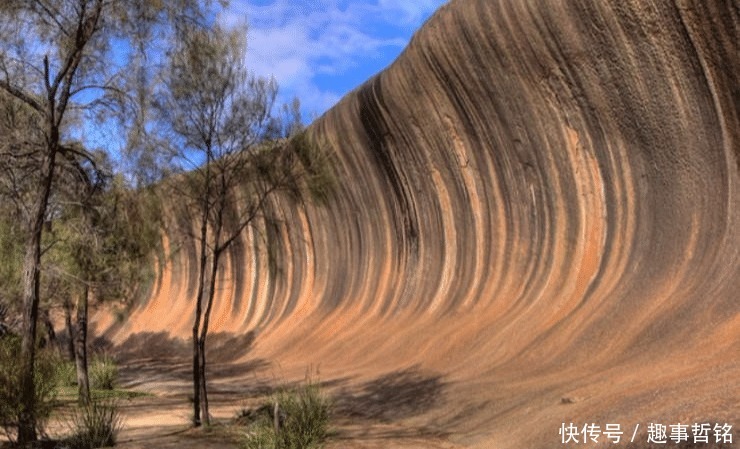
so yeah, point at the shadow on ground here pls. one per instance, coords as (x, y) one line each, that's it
(407, 404)
(382, 408)
(155, 358)
(391, 397)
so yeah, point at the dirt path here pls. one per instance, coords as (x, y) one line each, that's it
(368, 415)
(163, 422)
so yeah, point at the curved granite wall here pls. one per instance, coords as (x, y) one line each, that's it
(538, 207)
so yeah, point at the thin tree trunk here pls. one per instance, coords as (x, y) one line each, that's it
(197, 371)
(31, 276)
(83, 380)
(197, 322)
(70, 329)
(196, 330)
(204, 334)
(203, 391)
(217, 251)
(27, 416)
(51, 336)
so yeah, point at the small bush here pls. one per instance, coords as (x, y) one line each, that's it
(103, 373)
(94, 425)
(45, 380)
(66, 374)
(303, 416)
(260, 436)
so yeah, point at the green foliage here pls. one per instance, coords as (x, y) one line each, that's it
(303, 415)
(66, 374)
(10, 381)
(260, 436)
(12, 258)
(106, 243)
(306, 417)
(95, 425)
(317, 178)
(70, 394)
(103, 373)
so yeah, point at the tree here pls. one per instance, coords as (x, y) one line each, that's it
(20, 128)
(59, 60)
(223, 127)
(101, 247)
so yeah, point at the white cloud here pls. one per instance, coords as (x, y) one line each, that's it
(412, 12)
(297, 41)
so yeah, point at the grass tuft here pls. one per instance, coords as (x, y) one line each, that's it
(94, 425)
(66, 373)
(103, 373)
(302, 420)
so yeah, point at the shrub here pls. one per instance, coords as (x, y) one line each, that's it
(303, 417)
(103, 373)
(261, 436)
(66, 374)
(45, 380)
(95, 425)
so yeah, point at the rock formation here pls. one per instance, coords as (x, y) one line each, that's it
(538, 210)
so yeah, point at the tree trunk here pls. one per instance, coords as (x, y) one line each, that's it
(196, 327)
(203, 392)
(83, 380)
(27, 416)
(196, 373)
(51, 336)
(31, 276)
(202, 271)
(202, 340)
(217, 251)
(70, 329)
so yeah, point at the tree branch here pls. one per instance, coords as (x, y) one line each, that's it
(105, 87)
(22, 96)
(53, 16)
(86, 27)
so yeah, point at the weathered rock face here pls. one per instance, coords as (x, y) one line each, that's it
(539, 204)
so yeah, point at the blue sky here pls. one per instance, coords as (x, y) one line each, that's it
(318, 50)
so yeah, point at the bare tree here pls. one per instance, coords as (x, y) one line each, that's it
(224, 130)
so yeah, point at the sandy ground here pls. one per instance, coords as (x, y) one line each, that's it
(162, 422)
(161, 419)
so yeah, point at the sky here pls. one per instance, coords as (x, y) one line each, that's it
(319, 50)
